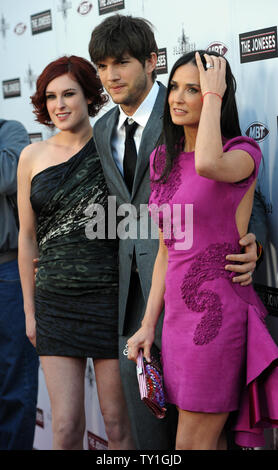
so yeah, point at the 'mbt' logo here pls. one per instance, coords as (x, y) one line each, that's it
(218, 47)
(257, 131)
(20, 28)
(84, 8)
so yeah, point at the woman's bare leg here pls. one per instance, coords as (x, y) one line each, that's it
(199, 431)
(222, 442)
(64, 378)
(112, 404)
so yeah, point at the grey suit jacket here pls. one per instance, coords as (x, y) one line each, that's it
(144, 250)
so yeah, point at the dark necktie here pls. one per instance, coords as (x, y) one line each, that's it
(130, 155)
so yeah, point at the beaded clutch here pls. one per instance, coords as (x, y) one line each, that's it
(150, 380)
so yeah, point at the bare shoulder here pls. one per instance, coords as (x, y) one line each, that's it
(30, 156)
(33, 151)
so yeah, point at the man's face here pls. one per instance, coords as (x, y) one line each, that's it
(126, 80)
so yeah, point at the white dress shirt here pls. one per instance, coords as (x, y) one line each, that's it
(141, 116)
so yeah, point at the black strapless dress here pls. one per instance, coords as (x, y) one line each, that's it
(76, 297)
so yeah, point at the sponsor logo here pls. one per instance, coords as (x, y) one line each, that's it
(41, 22)
(257, 131)
(64, 7)
(184, 45)
(31, 78)
(39, 418)
(105, 6)
(11, 88)
(84, 8)
(218, 47)
(96, 442)
(35, 137)
(3, 26)
(258, 45)
(162, 66)
(20, 28)
(269, 297)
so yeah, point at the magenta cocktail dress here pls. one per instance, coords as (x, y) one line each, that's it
(217, 353)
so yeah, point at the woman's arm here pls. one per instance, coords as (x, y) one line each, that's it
(210, 161)
(144, 337)
(27, 243)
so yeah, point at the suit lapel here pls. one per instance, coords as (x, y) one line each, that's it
(114, 172)
(149, 139)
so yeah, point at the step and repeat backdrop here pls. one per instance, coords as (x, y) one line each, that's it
(35, 32)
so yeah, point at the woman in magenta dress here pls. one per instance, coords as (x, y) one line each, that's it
(217, 354)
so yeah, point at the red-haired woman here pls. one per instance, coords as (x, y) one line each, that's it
(71, 311)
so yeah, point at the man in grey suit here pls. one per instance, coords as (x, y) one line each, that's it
(125, 53)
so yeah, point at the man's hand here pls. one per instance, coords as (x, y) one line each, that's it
(247, 260)
(35, 266)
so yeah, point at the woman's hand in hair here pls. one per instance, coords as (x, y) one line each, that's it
(212, 80)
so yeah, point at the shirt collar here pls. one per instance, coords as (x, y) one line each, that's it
(142, 113)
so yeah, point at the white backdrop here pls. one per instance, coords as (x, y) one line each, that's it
(35, 32)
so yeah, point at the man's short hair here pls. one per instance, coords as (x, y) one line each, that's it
(118, 35)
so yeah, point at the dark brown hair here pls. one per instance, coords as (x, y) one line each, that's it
(118, 35)
(173, 135)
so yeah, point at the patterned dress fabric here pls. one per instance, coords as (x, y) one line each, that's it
(76, 298)
(217, 353)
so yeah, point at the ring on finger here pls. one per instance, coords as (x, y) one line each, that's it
(250, 273)
(209, 65)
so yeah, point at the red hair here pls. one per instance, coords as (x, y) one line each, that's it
(82, 71)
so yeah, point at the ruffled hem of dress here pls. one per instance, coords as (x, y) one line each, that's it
(258, 407)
